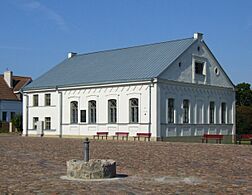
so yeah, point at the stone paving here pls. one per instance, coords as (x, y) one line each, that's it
(35, 166)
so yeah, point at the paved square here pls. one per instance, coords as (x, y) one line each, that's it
(35, 165)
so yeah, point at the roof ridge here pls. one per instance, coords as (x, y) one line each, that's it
(123, 48)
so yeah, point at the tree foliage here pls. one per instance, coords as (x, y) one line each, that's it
(243, 94)
(17, 122)
(244, 108)
(244, 119)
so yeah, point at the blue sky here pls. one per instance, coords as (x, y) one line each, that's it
(35, 35)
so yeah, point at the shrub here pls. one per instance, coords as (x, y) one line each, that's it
(17, 122)
(244, 120)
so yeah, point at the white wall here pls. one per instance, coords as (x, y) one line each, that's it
(182, 69)
(122, 93)
(197, 95)
(10, 106)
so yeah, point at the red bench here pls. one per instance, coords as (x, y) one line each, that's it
(101, 134)
(244, 137)
(216, 137)
(144, 135)
(121, 134)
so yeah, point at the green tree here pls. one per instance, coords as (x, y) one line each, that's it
(244, 119)
(243, 94)
(17, 122)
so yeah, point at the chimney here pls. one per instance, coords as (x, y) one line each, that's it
(71, 54)
(8, 78)
(198, 36)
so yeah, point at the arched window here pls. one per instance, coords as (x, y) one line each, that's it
(112, 111)
(74, 112)
(92, 111)
(133, 108)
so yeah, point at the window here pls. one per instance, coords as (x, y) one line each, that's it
(35, 120)
(74, 112)
(47, 99)
(112, 111)
(186, 111)
(4, 116)
(13, 114)
(92, 111)
(211, 113)
(35, 100)
(133, 103)
(199, 67)
(83, 116)
(223, 113)
(170, 110)
(47, 122)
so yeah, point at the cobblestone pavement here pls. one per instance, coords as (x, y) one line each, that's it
(35, 165)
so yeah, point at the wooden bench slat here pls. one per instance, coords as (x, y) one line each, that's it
(101, 134)
(121, 134)
(217, 137)
(243, 137)
(144, 135)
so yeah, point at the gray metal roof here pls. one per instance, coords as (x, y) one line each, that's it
(119, 65)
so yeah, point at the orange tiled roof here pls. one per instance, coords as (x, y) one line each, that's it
(7, 93)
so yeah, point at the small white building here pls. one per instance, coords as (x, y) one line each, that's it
(170, 89)
(10, 95)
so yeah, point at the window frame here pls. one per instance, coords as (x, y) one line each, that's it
(34, 122)
(186, 111)
(47, 123)
(199, 70)
(133, 111)
(171, 110)
(35, 100)
(13, 114)
(74, 112)
(83, 117)
(223, 113)
(92, 107)
(211, 112)
(4, 116)
(47, 99)
(112, 111)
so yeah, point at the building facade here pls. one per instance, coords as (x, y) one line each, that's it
(10, 95)
(169, 89)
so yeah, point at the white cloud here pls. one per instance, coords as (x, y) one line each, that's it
(33, 5)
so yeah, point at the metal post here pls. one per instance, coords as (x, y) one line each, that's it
(86, 150)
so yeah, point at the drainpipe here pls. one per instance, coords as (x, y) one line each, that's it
(150, 86)
(60, 112)
(26, 113)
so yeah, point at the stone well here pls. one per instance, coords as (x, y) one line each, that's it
(93, 169)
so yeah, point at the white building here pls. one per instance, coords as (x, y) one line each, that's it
(173, 88)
